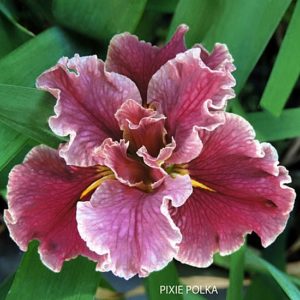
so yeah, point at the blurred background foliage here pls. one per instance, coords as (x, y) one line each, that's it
(264, 39)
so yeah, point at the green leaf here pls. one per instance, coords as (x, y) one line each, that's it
(27, 111)
(200, 15)
(35, 56)
(270, 128)
(256, 263)
(5, 286)
(253, 263)
(295, 280)
(162, 6)
(10, 36)
(100, 19)
(228, 22)
(29, 61)
(147, 27)
(5, 11)
(157, 281)
(286, 69)
(11, 142)
(193, 297)
(236, 275)
(222, 261)
(78, 280)
(263, 283)
(39, 12)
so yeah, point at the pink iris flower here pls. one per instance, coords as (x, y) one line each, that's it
(154, 169)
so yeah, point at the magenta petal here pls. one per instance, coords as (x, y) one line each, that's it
(133, 229)
(142, 127)
(126, 169)
(218, 59)
(42, 196)
(164, 154)
(192, 96)
(131, 113)
(139, 60)
(250, 194)
(87, 99)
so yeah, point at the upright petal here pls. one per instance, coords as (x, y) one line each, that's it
(139, 60)
(218, 59)
(142, 127)
(249, 194)
(193, 97)
(131, 228)
(87, 99)
(164, 154)
(42, 196)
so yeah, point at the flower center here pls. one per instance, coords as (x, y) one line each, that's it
(182, 169)
(105, 174)
(142, 126)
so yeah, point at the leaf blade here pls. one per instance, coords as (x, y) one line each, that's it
(5, 286)
(12, 142)
(263, 16)
(29, 61)
(27, 110)
(270, 128)
(78, 279)
(96, 18)
(156, 282)
(32, 58)
(286, 68)
(236, 275)
(253, 261)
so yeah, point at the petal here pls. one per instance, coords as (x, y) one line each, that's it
(164, 154)
(42, 196)
(250, 194)
(127, 170)
(139, 60)
(87, 99)
(192, 96)
(218, 59)
(142, 127)
(133, 229)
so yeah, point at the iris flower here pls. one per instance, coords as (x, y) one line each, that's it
(154, 168)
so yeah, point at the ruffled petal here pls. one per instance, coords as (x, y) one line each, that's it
(126, 169)
(87, 99)
(193, 97)
(42, 196)
(249, 194)
(131, 228)
(139, 60)
(219, 59)
(142, 127)
(156, 161)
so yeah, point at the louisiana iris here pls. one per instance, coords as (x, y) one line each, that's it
(154, 168)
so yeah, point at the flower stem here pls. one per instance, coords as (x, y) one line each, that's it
(236, 275)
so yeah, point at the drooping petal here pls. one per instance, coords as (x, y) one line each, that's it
(142, 127)
(42, 196)
(192, 96)
(139, 60)
(131, 228)
(249, 194)
(87, 99)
